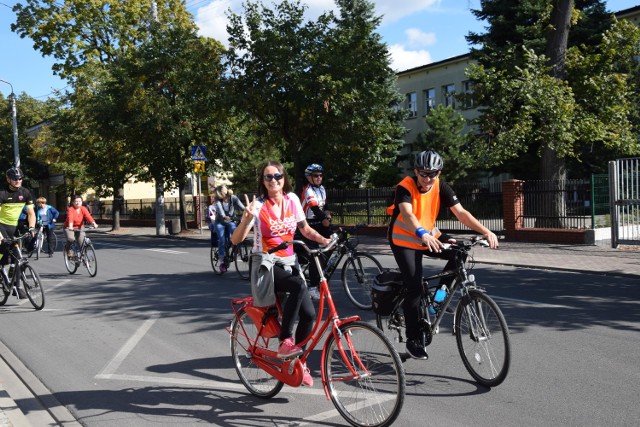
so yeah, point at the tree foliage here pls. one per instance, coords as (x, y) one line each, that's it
(297, 78)
(585, 115)
(444, 134)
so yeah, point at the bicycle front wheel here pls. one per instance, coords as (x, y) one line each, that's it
(70, 262)
(38, 247)
(483, 339)
(32, 286)
(255, 379)
(90, 261)
(375, 395)
(358, 274)
(243, 256)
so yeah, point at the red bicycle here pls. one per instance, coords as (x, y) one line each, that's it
(361, 372)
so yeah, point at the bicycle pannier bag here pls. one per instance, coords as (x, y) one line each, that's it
(385, 291)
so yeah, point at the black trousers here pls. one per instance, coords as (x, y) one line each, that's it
(410, 264)
(298, 305)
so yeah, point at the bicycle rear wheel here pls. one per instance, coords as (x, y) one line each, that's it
(483, 339)
(32, 286)
(358, 274)
(255, 379)
(90, 261)
(71, 263)
(376, 396)
(54, 242)
(242, 257)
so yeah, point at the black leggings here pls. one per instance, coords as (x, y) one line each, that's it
(410, 264)
(297, 305)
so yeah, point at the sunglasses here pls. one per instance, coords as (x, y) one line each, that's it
(426, 174)
(271, 177)
(316, 175)
(16, 179)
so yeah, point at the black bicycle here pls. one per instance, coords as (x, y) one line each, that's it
(239, 254)
(358, 270)
(21, 276)
(481, 331)
(82, 254)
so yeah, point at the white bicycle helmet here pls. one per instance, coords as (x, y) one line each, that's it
(428, 160)
(314, 167)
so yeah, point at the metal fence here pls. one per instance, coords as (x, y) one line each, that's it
(368, 205)
(581, 203)
(143, 209)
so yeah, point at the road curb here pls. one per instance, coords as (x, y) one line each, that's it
(38, 406)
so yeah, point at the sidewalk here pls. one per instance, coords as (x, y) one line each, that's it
(598, 259)
(579, 258)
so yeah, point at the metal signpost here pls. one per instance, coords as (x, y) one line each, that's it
(199, 156)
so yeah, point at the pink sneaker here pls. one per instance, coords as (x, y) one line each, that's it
(288, 350)
(307, 379)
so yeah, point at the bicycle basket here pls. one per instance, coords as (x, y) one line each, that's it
(264, 316)
(385, 291)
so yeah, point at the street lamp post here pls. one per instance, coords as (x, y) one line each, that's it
(16, 151)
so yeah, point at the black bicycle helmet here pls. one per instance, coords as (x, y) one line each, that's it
(314, 167)
(15, 174)
(428, 160)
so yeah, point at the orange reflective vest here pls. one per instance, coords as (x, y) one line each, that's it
(425, 206)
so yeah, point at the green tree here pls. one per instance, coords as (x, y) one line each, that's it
(518, 36)
(164, 97)
(29, 111)
(86, 39)
(444, 134)
(297, 79)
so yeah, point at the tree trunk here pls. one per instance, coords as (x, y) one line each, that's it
(118, 205)
(160, 222)
(183, 210)
(553, 168)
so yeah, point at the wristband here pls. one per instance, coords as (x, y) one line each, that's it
(420, 231)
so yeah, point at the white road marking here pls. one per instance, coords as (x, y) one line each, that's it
(128, 347)
(534, 303)
(117, 246)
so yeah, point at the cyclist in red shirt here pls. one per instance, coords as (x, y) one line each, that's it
(74, 224)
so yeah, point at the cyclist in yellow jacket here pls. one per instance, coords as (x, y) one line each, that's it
(413, 233)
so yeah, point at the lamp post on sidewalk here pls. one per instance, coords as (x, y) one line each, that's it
(16, 152)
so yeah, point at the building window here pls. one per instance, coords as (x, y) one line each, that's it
(467, 91)
(429, 100)
(412, 104)
(448, 94)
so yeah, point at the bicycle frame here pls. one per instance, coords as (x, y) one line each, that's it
(290, 371)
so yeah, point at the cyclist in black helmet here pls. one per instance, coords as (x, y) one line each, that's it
(412, 234)
(12, 200)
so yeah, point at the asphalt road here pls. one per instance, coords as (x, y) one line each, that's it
(144, 344)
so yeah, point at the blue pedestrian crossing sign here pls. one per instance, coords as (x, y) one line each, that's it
(198, 152)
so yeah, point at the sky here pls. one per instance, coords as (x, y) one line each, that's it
(417, 32)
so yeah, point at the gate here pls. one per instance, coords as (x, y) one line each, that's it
(624, 181)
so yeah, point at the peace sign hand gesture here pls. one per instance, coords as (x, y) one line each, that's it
(247, 214)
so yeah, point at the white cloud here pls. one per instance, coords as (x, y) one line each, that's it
(417, 37)
(402, 59)
(393, 10)
(212, 19)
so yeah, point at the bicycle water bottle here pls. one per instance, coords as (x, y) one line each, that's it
(331, 262)
(11, 269)
(438, 298)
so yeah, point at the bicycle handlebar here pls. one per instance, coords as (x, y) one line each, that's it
(467, 244)
(313, 252)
